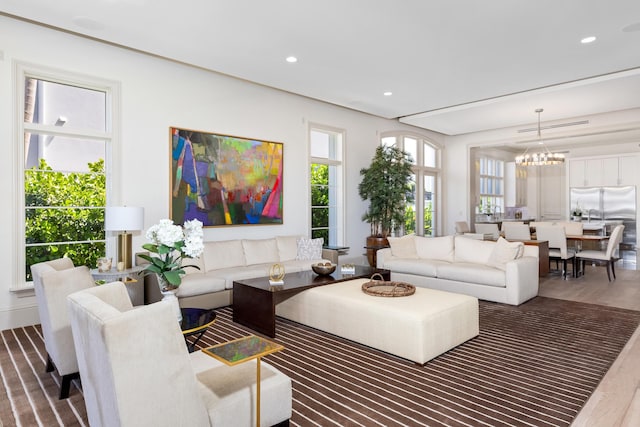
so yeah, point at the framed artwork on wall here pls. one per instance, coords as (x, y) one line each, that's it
(225, 180)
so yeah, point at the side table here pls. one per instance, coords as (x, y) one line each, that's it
(242, 350)
(131, 277)
(195, 322)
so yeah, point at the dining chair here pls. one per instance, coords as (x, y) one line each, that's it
(516, 231)
(53, 281)
(462, 227)
(488, 229)
(573, 228)
(137, 371)
(558, 250)
(608, 256)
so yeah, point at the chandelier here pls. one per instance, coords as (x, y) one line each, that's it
(542, 158)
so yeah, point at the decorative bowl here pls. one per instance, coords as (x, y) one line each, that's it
(322, 269)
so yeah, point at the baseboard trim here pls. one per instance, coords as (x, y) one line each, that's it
(18, 317)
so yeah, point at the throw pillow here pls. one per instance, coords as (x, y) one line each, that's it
(403, 247)
(309, 249)
(436, 248)
(504, 252)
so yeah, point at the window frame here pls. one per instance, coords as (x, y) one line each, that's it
(494, 179)
(420, 172)
(110, 136)
(338, 163)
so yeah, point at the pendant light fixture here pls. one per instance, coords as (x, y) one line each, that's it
(543, 158)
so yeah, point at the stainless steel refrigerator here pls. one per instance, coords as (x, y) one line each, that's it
(610, 205)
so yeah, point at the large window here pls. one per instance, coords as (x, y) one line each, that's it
(326, 184)
(65, 139)
(491, 186)
(421, 217)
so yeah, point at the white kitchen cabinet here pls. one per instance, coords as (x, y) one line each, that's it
(515, 185)
(605, 171)
(552, 194)
(628, 170)
(577, 173)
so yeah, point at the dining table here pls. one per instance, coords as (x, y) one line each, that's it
(593, 240)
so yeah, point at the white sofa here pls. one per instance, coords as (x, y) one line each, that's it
(222, 262)
(505, 272)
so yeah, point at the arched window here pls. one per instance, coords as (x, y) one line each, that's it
(421, 217)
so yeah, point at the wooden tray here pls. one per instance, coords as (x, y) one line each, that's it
(382, 288)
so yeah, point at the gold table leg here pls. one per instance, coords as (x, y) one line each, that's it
(258, 393)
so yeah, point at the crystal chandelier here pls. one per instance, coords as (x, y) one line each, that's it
(543, 158)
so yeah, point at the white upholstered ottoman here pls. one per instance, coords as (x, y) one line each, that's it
(417, 327)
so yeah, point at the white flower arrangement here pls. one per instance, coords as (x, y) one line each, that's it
(172, 243)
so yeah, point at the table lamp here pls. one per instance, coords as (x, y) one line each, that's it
(124, 219)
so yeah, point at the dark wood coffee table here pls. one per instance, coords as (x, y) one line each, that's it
(255, 300)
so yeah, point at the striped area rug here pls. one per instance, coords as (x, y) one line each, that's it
(533, 365)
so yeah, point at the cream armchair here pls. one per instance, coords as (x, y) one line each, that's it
(53, 281)
(136, 370)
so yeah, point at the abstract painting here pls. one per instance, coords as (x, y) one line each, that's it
(225, 180)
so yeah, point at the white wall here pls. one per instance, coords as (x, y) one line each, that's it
(157, 94)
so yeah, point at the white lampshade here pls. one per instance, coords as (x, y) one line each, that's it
(123, 218)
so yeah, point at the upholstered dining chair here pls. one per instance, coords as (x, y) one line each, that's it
(488, 229)
(53, 281)
(462, 227)
(136, 369)
(608, 256)
(558, 251)
(516, 231)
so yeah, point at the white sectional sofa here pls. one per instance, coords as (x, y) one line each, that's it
(505, 272)
(222, 262)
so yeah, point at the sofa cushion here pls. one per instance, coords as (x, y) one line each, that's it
(403, 247)
(198, 262)
(309, 248)
(503, 252)
(472, 273)
(420, 267)
(260, 251)
(198, 284)
(287, 247)
(436, 248)
(249, 272)
(224, 254)
(472, 250)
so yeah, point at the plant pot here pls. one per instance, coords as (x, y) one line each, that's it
(374, 243)
(169, 297)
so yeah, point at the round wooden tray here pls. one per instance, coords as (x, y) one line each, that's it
(382, 288)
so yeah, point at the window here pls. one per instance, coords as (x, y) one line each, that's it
(421, 216)
(491, 185)
(65, 138)
(326, 185)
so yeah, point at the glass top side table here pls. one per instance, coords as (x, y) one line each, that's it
(195, 322)
(242, 350)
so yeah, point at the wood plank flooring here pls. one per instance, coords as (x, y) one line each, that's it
(616, 401)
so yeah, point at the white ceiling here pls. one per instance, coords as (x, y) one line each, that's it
(454, 66)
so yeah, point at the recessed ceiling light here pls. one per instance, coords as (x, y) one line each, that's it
(589, 39)
(388, 93)
(292, 59)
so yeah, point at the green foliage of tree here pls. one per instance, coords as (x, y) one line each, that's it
(63, 207)
(387, 184)
(320, 201)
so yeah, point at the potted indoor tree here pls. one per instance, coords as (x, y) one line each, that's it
(386, 184)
